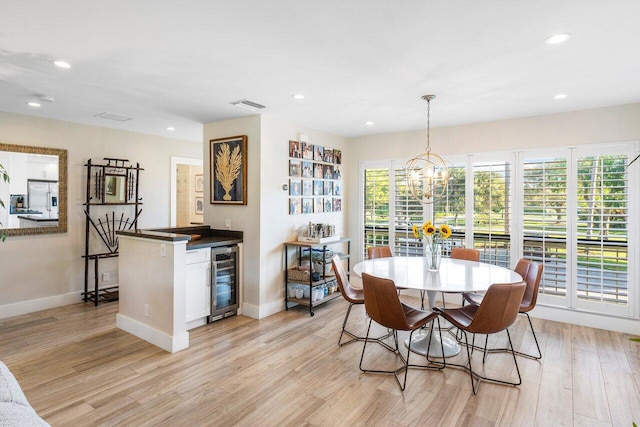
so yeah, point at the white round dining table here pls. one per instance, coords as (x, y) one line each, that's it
(453, 276)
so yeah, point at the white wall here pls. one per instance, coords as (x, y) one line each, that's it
(265, 220)
(43, 271)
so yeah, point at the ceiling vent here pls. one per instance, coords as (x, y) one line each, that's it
(248, 105)
(111, 116)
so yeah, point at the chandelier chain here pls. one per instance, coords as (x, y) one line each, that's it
(428, 125)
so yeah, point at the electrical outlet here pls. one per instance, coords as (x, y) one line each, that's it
(146, 310)
(227, 223)
(105, 277)
(163, 250)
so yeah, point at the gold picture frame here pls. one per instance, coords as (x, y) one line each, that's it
(228, 163)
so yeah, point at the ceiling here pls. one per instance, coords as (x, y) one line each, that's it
(181, 63)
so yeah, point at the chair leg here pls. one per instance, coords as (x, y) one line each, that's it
(405, 362)
(515, 361)
(344, 330)
(442, 364)
(355, 337)
(364, 347)
(484, 356)
(539, 356)
(476, 385)
(518, 353)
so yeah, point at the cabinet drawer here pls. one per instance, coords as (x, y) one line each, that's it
(198, 255)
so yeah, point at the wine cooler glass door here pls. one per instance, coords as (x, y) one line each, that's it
(224, 278)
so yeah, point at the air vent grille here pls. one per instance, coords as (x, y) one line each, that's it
(248, 105)
(112, 116)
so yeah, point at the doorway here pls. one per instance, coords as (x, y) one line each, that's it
(187, 192)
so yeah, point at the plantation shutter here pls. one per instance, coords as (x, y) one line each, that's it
(451, 208)
(544, 220)
(376, 208)
(407, 211)
(602, 257)
(492, 211)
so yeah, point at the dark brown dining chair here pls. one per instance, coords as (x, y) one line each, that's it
(467, 254)
(497, 312)
(384, 307)
(379, 252)
(353, 296)
(531, 272)
(374, 252)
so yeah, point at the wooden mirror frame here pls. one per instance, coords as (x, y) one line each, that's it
(62, 190)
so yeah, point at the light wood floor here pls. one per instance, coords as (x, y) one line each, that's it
(77, 368)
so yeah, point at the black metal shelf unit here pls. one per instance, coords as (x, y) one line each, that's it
(305, 251)
(113, 183)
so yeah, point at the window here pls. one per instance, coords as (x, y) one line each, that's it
(568, 209)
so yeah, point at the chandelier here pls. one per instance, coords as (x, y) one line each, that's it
(427, 174)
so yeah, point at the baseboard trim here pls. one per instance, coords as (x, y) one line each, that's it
(166, 342)
(31, 306)
(250, 310)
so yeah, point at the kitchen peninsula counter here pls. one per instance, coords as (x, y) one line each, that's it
(196, 237)
(153, 280)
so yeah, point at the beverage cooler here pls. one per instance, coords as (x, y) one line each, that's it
(224, 282)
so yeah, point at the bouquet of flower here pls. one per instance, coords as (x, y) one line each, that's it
(434, 236)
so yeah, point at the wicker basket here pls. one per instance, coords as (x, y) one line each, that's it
(298, 275)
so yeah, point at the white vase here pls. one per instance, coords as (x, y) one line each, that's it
(433, 255)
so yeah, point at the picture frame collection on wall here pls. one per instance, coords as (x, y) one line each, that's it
(315, 179)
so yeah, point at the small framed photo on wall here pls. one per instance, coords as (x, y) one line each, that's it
(307, 150)
(307, 205)
(199, 184)
(328, 204)
(318, 188)
(307, 187)
(294, 167)
(294, 149)
(295, 187)
(294, 206)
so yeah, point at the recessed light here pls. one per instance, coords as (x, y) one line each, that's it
(560, 96)
(33, 104)
(62, 64)
(369, 123)
(298, 96)
(557, 38)
(171, 128)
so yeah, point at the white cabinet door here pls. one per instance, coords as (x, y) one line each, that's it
(198, 288)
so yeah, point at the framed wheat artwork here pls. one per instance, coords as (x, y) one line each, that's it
(228, 159)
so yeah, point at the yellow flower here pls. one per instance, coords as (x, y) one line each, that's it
(445, 231)
(431, 231)
(428, 228)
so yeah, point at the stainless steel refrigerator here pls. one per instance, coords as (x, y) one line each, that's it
(42, 196)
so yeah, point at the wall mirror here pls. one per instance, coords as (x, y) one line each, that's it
(35, 199)
(115, 188)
